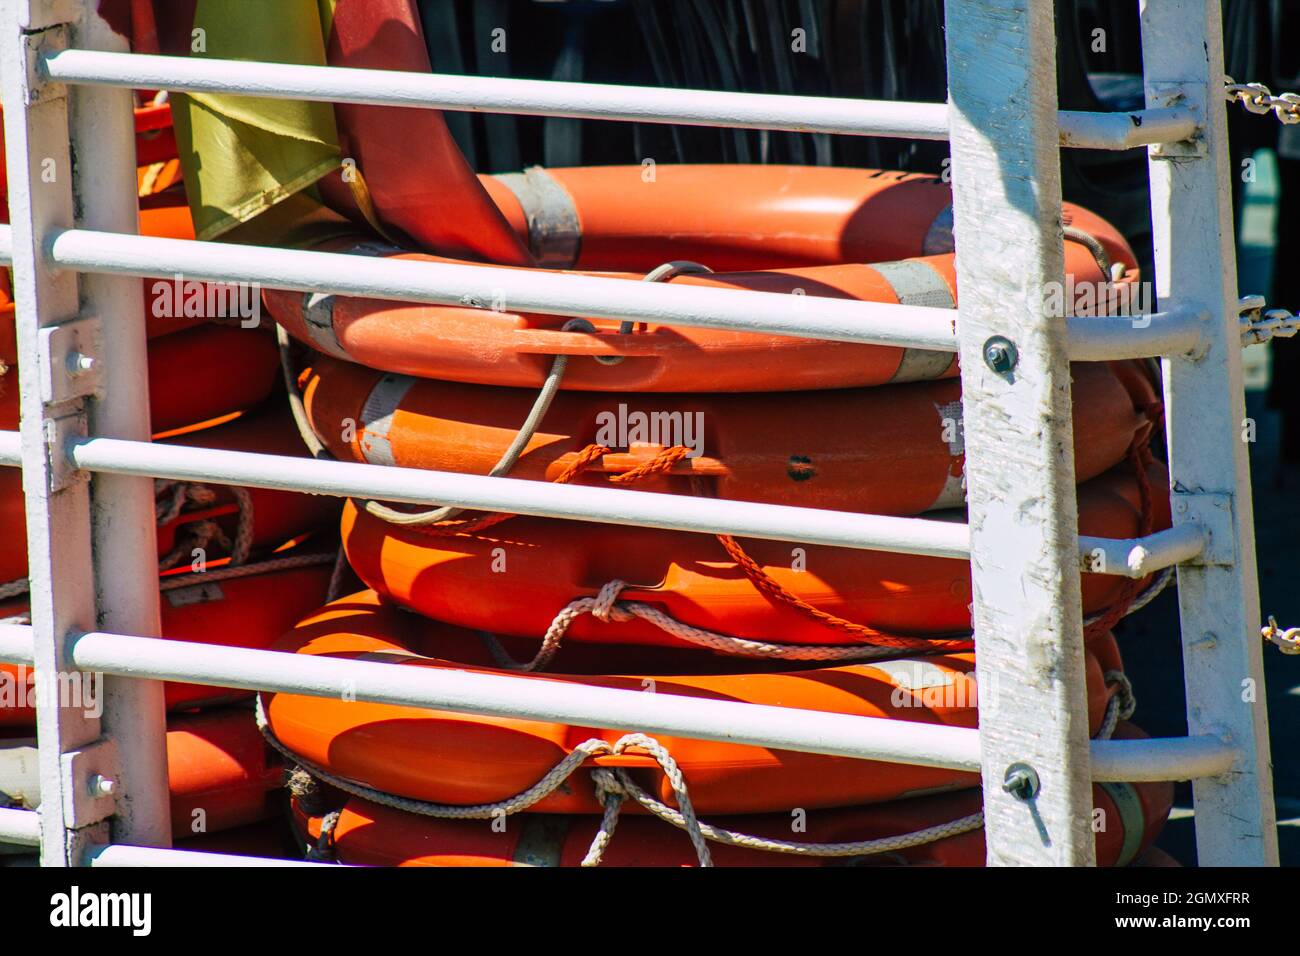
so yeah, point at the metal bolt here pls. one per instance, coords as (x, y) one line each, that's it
(80, 363)
(1000, 354)
(101, 786)
(1021, 781)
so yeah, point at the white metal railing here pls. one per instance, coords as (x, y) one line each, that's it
(85, 623)
(1130, 557)
(1092, 338)
(800, 114)
(836, 735)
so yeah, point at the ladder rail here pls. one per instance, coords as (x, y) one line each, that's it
(1209, 468)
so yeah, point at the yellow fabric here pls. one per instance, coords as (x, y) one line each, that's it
(243, 155)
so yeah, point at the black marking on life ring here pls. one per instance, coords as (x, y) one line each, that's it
(800, 468)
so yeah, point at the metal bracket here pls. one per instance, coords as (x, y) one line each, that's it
(90, 777)
(1213, 512)
(1164, 95)
(36, 45)
(69, 357)
(59, 432)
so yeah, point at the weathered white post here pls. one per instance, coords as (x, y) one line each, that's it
(81, 370)
(1191, 215)
(1019, 452)
(58, 512)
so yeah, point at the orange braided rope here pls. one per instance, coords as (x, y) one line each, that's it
(774, 591)
(587, 456)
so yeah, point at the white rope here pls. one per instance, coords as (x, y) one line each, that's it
(211, 576)
(614, 786)
(619, 781)
(606, 607)
(1121, 705)
(551, 781)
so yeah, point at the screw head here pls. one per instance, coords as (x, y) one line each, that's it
(101, 786)
(79, 363)
(1000, 354)
(1021, 781)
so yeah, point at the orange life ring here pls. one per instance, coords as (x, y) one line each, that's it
(251, 612)
(369, 834)
(893, 450)
(515, 577)
(221, 773)
(632, 218)
(195, 375)
(451, 758)
(207, 372)
(478, 343)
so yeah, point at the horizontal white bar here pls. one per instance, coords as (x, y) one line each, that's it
(20, 827)
(1127, 130)
(875, 738)
(947, 539)
(1138, 557)
(804, 114)
(531, 290)
(522, 290)
(117, 855)
(1127, 557)
(1171, 758)
(1178, 332)
(784, 728)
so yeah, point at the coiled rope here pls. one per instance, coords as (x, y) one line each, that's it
(614, 786)
(172, 501)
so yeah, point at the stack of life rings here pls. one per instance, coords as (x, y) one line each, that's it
(477, 388)
(238, 566)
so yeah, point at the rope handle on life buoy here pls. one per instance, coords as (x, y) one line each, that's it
(606, 607)
(614, 786)
(506, 463)
(662, 273)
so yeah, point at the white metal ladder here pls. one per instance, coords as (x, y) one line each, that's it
(88, 464)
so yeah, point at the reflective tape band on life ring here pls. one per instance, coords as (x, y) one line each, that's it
(377, 417)
(318, 307)
(1132, 819)
(554, 230)
(918, 283)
